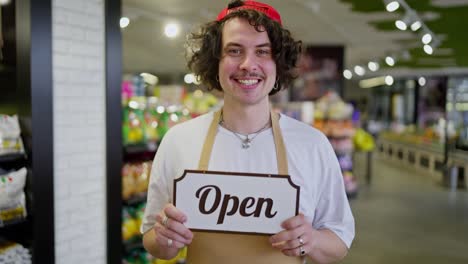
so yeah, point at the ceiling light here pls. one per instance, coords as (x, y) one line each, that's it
(390, 61)
(416, 25)
(389, 80)
(373, 82)
(422, 81)
(428, 49)
(401, 25)
(171, 30)
(348, 74)
(189, 78)
(373, 66)
(392, 6)
(124, 22)
(359, 70)
(427, 38)
(4, 2)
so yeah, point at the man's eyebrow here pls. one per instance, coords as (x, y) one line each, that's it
(233, 44)
(239, 45)
(263, 45)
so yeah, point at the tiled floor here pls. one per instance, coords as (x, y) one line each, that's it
(406, 217)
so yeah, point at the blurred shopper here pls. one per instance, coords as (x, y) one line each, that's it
(249, 55)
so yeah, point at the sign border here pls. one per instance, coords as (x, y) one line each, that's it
(225, 173)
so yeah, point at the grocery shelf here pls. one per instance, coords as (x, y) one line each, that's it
(15, 157)
(135, 199)
(132, 244)
(140, 152)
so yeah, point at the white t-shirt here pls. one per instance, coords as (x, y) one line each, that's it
(311, 160)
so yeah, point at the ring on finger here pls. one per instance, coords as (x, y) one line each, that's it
(164, 221)
(169, 242)
(301, 241)
(301, 251)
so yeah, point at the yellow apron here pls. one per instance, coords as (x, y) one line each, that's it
(217, 248)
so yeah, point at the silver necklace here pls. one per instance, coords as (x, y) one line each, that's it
(246, 142)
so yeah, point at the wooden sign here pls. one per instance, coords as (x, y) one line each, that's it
(236, 202)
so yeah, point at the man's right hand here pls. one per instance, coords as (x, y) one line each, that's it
(170, 229)
(168, 235)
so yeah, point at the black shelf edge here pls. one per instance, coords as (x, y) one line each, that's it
(14, 223)
(139, 148)
(135, 199)
(13, 157)
(140, 152)
(132, 244)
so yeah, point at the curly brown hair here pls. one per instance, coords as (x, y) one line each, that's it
(205, 46)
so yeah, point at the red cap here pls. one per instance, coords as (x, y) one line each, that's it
(260, 7)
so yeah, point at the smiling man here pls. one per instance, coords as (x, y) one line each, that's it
(248, 55)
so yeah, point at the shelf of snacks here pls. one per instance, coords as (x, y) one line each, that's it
(13, 199)
(149, 111)
(333, 117)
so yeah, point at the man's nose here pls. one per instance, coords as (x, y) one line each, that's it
(249, 63)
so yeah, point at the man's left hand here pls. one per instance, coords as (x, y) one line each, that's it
(298, 238)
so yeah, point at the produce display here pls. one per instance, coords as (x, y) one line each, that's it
(420, 137)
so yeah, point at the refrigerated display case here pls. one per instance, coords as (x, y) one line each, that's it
(457, 110)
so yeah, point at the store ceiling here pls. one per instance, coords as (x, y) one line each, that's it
(363, 26)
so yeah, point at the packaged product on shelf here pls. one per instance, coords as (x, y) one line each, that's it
(346, 162)
(130, 227)
(12, 197)
(11, 252)
(363, 141)
(139, 213)
(128, 182)
(133, 127)
(340, 111)
(141, 174)
(339, 128)
(350, 183)
(152, 120)
(10, 135)
(135, 179)
(170, 94)
(342, 145)
(199, 102)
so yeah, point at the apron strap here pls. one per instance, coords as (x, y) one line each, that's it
(209, 141)
(278, 137)
(279, 145)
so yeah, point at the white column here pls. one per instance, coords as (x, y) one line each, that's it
(79, 131)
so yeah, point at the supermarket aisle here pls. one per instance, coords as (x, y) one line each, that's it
(404, 217)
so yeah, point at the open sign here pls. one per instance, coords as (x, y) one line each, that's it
(236, 202)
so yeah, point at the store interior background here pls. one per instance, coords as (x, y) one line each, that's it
(409, 193)
(354, 38)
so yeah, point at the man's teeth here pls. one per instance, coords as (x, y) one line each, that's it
(248, 82)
